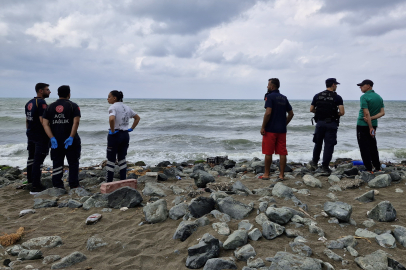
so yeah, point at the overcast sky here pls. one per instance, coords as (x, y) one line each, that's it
(202, 48)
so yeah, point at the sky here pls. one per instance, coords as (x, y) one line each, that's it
(202, 49)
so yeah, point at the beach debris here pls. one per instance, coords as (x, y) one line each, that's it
(26, 212)
(92, 219)
(123, 208)
(10, 239)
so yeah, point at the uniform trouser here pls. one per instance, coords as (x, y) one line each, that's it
(117, 145)
(72, 155)
(38, 149)
(368, 148)
(326, 132)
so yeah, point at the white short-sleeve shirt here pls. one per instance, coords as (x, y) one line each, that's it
(123, 114)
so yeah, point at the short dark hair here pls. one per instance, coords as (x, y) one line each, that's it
(275, 81)
(329, 83)
(118, 94)
(63, 91)
(40, 86)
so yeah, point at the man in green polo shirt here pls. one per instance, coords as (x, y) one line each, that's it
(372, 108)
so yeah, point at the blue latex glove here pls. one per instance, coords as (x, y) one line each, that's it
(130, 129)
(111, 133)
(68, 142)
(54, 143)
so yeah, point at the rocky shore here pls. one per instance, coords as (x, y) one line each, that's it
(195, 215)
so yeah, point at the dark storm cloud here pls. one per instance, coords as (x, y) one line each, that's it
(186, 16)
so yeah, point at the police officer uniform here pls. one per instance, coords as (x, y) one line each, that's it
(37, 141)
(327, 118)
(60, 115)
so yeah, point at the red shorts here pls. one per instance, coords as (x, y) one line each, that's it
(274, 143)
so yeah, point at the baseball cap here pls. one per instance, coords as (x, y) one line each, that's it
(371, 83)
(332, 80)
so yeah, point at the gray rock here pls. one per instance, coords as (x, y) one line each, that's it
(365, 233)
(395, 177)
(335, 188)
(178, 211)
(221, 228)
(83, 199)
(282, 191)
(156, 212)
(152, 189)
(245, 252)
(97, 200)
(203, 221)
(43, 242)
(304, 191)
(185, 229)
(177, 190)
(332, 255)
(29, 254)
(380, 181)
(74, 204)
(237, 239)
(44, 203)
(263, 206)
(400, 234)
(311, 181)
(271, 230)
(314, 229)
(332, 196)
(262, 191)
(293, 233)
(333, 179)
(92, 181)
(124, 197)
(386, 240)
(54, 192)
(201, 206)
(220, 216)
(352, 251)
(279, 215)
(255, 234)
(81, 192)
(348, 241)
(368, 223)
(367, 197)
(238, 186)
(377, 260)
(233, 208)
(245, 225)
(218, 195)
(383, 212)
(95, 242)
(148, 178)
(255, 263)
(202, 178)
(26, 212)
(261, 218)
(366, 176)
(286, 260)
(207, 248)
(219, 264)
(14, 250)
(301, 249)
(50, 259)
(395, 265)
(342, 211)
(71, 259)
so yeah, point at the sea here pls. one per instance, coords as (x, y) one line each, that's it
(184, 129)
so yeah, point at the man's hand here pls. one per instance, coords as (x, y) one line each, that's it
(372, 132)
(130, 129)
(54, 143)
(111, 133)
(68, 142)
(263, 131)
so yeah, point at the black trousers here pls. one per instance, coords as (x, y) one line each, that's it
(38, 149)
(327, 133)
(368, 148)
(117, 145)
(72, 155)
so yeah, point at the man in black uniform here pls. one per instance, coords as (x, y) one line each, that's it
(61, 122)
(327, 107)
(38, 141)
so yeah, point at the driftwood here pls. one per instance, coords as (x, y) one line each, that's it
(10, 239)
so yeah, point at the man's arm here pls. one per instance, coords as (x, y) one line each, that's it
(378, 115)
(367, 116)
(312, 109)
(26, 123)
(341, 110)
(136, 121)
(47, 128)
(75, 126)
(112, 122)
(290, 116)
(267, 116)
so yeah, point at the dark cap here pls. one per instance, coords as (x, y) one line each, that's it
(371, 83)
(332, 81)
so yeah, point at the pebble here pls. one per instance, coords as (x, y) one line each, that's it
(26, 212)
(92, 219)
(398, 190)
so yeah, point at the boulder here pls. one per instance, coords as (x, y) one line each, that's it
(44, 203)
(202, 178)
(97, 200)
(156, 212)
(342, 211)
(400, 234)
(219, 264)
(386, 240)
(279, 215)
(201, 206)
(367, 197)
(237, 239)
(124, 197)
(271, 230)
(312, 181)
(178, 211)
(185, 229)
(72, 259)
(152, 189)
(233, 208)
(383, 212)
(377, 260)
(207, 248)
(380, 181)
(43, 242)
(282, 191)
(245, 252)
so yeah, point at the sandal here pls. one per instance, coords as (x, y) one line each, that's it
(263, 178)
